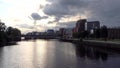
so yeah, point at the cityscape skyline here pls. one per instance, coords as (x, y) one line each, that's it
(54, 13)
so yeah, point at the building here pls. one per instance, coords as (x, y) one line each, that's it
(80, 25)
(57, 33)
(61, 32)
(113, 33)
(50, 32)
(75, 30)
(90, 26)
(68, 33)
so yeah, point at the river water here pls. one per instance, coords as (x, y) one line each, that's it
(56, 54)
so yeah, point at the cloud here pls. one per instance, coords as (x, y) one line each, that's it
(61, 8)
(44, 17)
(65, 9)
(70, 24)
(54, 21)
(106, 11)
(25, 26)
(35, 16)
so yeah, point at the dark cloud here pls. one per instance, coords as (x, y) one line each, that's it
(106, 11)
(35, 16)
(60, 8)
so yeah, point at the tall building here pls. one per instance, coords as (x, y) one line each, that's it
(80, 25)
(90, 26)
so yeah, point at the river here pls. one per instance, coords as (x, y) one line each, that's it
(56, 54)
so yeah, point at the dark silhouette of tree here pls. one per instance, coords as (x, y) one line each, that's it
(2, 33)
(8, 34)
(76, 35)
(2, 27)
(97, 33)
(104, 32)
(17, 34)
(13, 34)
(85, 34)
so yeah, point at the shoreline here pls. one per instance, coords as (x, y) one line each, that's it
(96, 43)
(7, 43)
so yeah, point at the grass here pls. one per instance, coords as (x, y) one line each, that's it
(108, 40)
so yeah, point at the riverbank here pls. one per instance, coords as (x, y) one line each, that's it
(96, 43)
(7, 43)
(107, 44)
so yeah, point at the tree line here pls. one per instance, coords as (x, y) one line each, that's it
(8, 34)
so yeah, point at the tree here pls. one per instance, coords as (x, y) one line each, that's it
(104, 32)
(85, 34)
(9, 34)
(17, 34)
(13, 34)
(97, 33)
(2, 33)
(2, 26)
(76, 35)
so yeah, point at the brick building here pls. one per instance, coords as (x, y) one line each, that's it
(80, 25)
(113, 33)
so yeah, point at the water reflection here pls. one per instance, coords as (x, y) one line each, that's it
(55, 54)
(1, 57)
(92, 57)
(90, 53)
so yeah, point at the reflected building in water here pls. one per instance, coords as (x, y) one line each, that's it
(90, 53)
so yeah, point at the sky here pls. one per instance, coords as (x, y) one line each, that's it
(54, 14)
